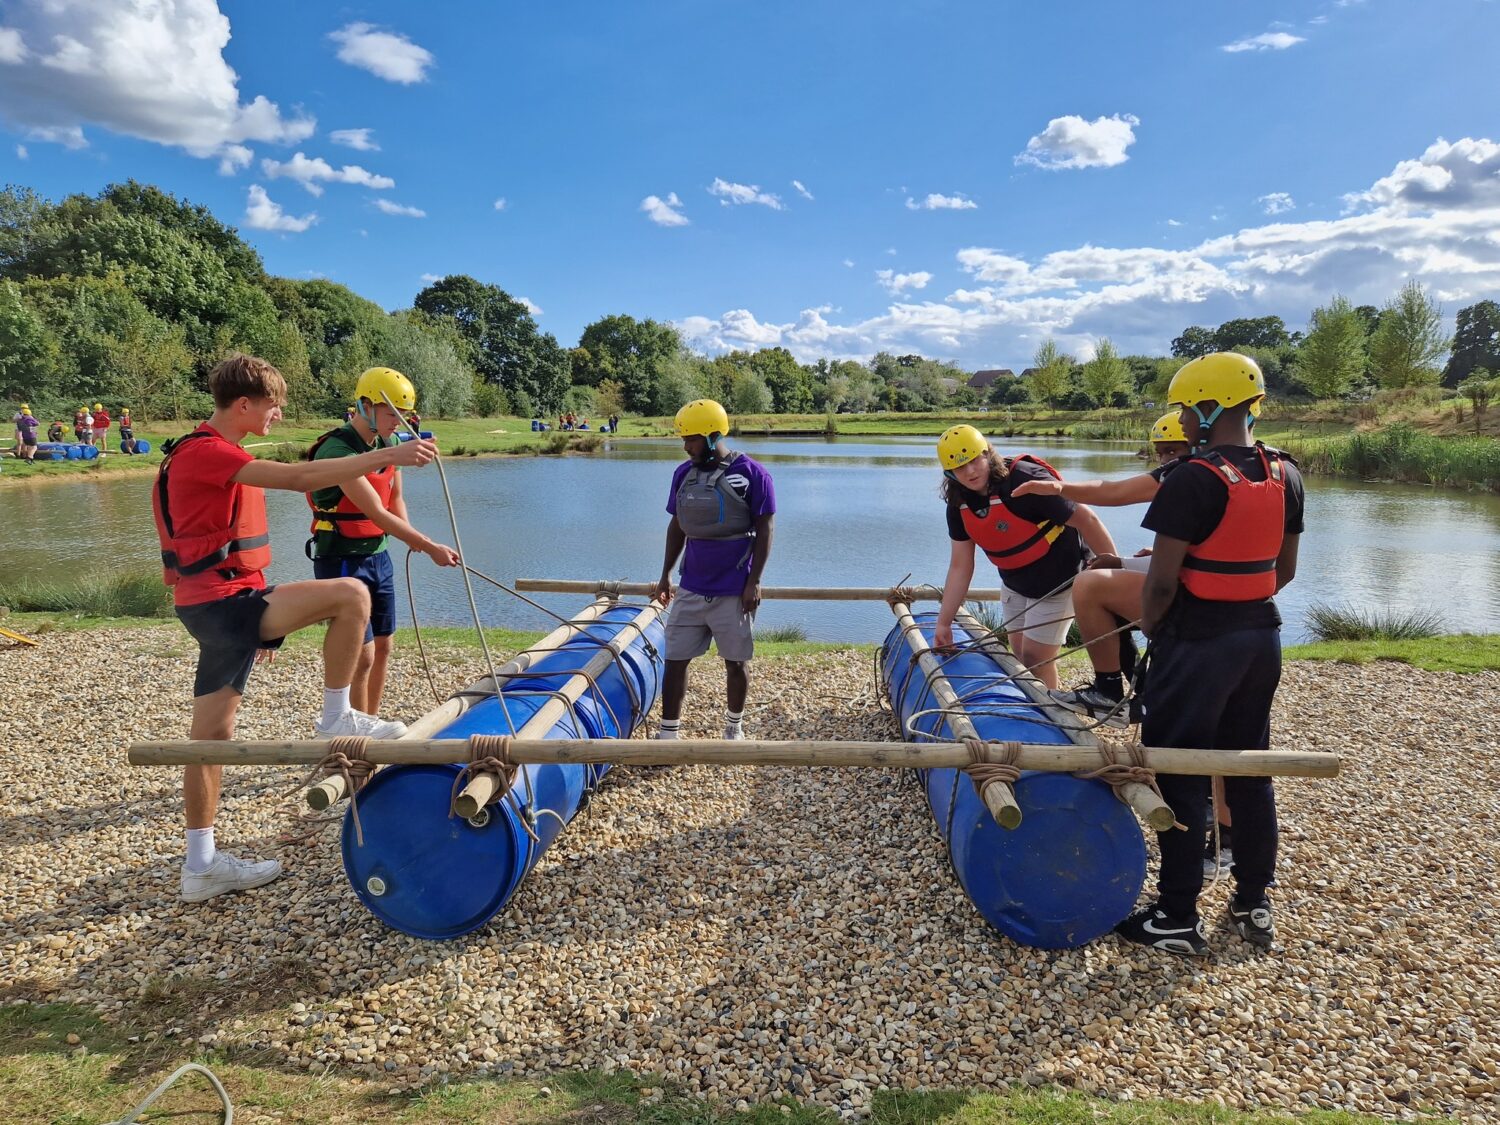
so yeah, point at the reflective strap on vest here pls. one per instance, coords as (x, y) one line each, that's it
(208, 562)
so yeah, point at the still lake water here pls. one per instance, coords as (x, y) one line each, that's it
(854, 511)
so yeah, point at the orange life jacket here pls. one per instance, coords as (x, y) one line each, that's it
(1008, 540)
(1237, 562)
(237, 542)
(345, 517)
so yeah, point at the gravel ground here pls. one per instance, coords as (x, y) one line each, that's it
(756, 933)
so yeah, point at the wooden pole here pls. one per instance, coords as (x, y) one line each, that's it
(331, 790)
(999, 798)
(1146, 802)
(773, 593)
(484, 787)
(719, 752)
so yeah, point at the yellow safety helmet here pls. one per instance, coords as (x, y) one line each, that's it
(26, 408)
(959, 445)
(703, 417)
(396, 386)
(1226, 378)
(1168, 428)
(98, 406)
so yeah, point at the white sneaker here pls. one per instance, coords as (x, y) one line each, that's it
(358, 723)
(734, 732)
(225, 874)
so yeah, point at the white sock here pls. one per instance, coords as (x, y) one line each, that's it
(669, 728)
(733, 718)
(200, 849)
(335, 703)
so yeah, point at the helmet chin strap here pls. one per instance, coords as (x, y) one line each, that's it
(369, 418)
(1205, 424)
(710, 450)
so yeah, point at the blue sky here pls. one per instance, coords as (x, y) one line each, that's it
(958, 179)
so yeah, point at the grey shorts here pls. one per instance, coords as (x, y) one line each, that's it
(694, 619)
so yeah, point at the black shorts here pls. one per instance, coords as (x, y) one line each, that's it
(228, 636)
(379, 577)
(28, 439)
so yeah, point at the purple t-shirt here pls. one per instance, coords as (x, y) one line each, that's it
(716, 568)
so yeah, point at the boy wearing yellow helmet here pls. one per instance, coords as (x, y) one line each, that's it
(27, 425)
(1036, 542)
(722, 505)
(101, 427)
(351, 522)
(1227, 526)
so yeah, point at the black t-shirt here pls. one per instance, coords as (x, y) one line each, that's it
(1064, 560)
(1189, 506)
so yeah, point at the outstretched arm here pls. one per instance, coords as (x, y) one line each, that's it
(1092, 528)
(1139, 489)
(392, 520)
(309, 476)
(955, 590)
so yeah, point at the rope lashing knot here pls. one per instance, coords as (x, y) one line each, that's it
(986, 767)
(488, 754)
(610, 590)
(345, 759)
(1117, 773)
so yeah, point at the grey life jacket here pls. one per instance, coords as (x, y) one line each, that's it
(708, 508)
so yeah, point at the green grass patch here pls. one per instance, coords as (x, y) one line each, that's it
(1402, 452)
(778, 634)
(1465, 652)
(100, 1075)
(1348, 623)
(118, 594)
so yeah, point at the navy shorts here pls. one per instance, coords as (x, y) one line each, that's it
(377, 573)
(228, 636)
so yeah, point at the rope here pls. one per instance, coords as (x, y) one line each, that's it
(1117, 774)
(346, 759)
(489, 754)
(986, 769)
(213, 1080)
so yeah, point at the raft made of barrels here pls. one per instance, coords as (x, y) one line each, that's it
(429, 872)
(1073, 867)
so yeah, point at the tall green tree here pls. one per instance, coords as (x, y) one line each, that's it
(1268, 332)
(30, 353)
(1051, 374)
(1106, 375)
(1476, 343)
(789, 383)
(1193, 342)
(633, 352)
(1480, 390)
(1331, 357)
(1409, 343)
(428, 353)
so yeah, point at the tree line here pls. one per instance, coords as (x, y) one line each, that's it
(132, 295)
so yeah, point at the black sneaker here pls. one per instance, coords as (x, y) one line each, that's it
(1093, 703)
(1153, 926)
(1253, 923)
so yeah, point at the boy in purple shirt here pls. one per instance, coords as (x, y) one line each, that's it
(722, 506)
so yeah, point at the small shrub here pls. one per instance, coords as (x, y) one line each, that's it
(1346, 623)
(785, 634)
(128, 594)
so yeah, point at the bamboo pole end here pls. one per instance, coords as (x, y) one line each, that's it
(466, 805)
(1161, 819)
(327, 792)
(1009, 817)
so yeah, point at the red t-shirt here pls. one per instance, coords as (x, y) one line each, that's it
(200, 493)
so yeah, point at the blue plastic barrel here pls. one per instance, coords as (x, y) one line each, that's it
(142, 445)
(535, 425)
(1075, 865)
(75, 452)
(51, 451)
(89, 452)
(433, 876)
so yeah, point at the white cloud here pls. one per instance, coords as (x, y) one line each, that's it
(1072, 142)
(387, 207)
(1433, 219)
(69, 136)
(12, 46)
(935, 202)
(234, 158)
(895, 282)
(891, 250)
(307, 171)
(664, 212)
(21, 153)
(736, 194)
(385, 54)
(1265, 41)
(1174, 223)
(500, 204)
(430, 278)
(1277, 203)
(262, 213)
(360, 139)
(802, 191)
(531, 306)
(849, 263)
(152, 69)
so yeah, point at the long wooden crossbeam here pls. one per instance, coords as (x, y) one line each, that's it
(768, 593)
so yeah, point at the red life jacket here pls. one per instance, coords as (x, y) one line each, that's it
(1237, 562)
(1008, 540)
(345, 517)
(237, 542)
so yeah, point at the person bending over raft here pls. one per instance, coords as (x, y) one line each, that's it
(1227, 523)
(351, 522)
(210, 514)
(722, 507)
(1109, 591)
(1036, 542)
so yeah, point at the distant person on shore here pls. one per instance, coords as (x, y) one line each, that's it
(1228, 521)
(614, 423)
(127, 432)
(722, 507)
(1036, 542)
(352, 521)
(55, 432)
(26, 428)
(210, 514)
(78, 424)
(87, 437)
(101, 427)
